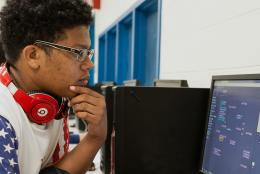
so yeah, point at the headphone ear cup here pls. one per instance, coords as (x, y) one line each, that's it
(39, 107)
(44, 109)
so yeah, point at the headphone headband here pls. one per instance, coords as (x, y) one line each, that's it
(4, 76)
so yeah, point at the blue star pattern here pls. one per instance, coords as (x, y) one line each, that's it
(8, 148)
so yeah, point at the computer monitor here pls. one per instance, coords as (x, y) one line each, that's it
(232, 139)
(133, 82)
(106, 148)
(158, 130)
(170, 83)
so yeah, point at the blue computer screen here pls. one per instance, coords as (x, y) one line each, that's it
(233, 135)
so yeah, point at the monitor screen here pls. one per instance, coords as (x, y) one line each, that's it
(232, 140)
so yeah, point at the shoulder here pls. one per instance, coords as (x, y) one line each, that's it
(6, 100)
(10, 110)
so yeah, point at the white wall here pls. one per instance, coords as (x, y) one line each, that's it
(111, 11)
(2, 3)
(201, 38)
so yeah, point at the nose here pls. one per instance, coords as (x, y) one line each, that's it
(87, 65)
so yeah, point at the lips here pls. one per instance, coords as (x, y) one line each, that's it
(83, 81)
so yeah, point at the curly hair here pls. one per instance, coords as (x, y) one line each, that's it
(24, 21)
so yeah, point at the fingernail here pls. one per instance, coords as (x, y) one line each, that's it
(68, 104)
(72, 88)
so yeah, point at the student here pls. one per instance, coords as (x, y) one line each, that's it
(46, 44)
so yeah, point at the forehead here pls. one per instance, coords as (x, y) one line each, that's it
(78, 36)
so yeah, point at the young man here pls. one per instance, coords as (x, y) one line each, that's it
(46, 43)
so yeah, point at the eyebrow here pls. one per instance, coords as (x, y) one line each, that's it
(80, 46)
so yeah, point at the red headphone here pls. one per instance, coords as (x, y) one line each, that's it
(39, 107)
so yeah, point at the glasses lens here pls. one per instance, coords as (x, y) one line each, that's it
(90, 54)
(84, 54)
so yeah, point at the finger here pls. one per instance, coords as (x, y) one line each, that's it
(90, 118)
(84, 98)
(84, 90)
(86, 116)
(84, 107)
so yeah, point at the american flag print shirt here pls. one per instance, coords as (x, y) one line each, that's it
(8, 148)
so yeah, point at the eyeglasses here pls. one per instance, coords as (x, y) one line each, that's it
(80, 54)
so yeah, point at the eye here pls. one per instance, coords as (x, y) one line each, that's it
(81, 53)
(89, 52)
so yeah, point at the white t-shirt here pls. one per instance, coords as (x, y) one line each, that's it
(38, 145)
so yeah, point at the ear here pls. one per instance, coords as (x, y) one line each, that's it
(32, 55)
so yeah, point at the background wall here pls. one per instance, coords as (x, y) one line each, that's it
(105, 17)
(202, 38)
(2, 2)
(199, 38)
(110, 12)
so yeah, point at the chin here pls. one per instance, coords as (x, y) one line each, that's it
(70, 95)
(66, 94)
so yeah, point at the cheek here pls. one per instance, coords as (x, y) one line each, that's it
(68, 75)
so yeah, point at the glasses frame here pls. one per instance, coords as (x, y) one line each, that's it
(79, 53)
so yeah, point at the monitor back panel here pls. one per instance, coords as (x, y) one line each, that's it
(105, 149)
(159, 130)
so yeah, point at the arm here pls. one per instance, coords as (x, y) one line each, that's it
(8, 148)
(90, 106)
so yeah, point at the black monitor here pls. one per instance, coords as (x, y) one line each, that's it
(232, 139)
(133, 82)
(159, 130)
(107, 83)
(170, 83)
(105, 161)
